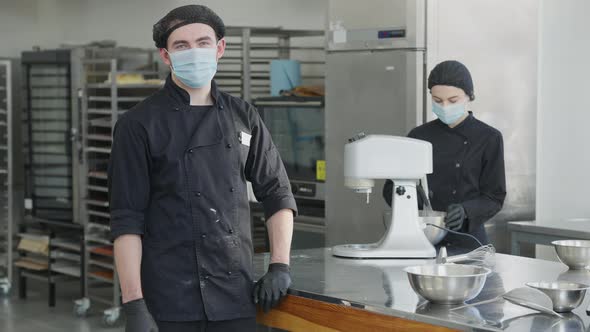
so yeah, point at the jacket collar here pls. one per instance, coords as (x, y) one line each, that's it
(468, 122)
(182, 97)
(466, 129)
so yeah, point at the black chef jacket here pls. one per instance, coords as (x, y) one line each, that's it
(177, 177)
(468, 168)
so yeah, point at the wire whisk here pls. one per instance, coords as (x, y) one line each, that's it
(483, 256)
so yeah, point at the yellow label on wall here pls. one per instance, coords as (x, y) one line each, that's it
(320, 170)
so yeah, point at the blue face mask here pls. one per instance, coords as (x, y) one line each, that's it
(449, 114)
(194, 67)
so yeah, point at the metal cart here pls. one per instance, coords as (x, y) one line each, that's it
(45, 253)
(49, 119)
(6, 193)
(50, 196)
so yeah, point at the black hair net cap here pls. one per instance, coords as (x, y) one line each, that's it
(184, 15)
(452, 73)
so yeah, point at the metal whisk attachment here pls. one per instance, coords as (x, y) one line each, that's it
(483, 256)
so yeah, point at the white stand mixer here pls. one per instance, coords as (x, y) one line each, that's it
(405, 161)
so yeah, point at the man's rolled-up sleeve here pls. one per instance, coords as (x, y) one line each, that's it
(265, 169)
(128, 178)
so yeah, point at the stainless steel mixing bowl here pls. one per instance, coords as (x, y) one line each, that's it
(434, 235)
(566, 296)
(447, 283)
(573, 253)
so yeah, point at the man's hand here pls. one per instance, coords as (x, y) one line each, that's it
(138, 317)
(272, 286)
(455, 217)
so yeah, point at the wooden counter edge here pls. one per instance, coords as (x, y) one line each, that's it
(297, 313)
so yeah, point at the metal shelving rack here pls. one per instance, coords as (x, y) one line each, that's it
(50, 196)
(244, 70)
(63, 194)
(6, 194)
(105, 95)
(48, 121)
(59, 262)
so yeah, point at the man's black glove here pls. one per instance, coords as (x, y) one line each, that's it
(455, 217)
(272, 286)
(138, 317)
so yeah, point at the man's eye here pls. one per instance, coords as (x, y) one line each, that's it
(180, 47)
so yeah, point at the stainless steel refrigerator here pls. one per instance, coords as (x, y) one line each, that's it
(374, 84)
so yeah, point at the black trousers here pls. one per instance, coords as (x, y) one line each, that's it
(234, 325)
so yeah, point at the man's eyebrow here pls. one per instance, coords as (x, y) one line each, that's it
(204, 39)
(176, 42)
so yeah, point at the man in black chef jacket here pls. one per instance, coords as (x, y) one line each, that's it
(177, 183)
(468, 179)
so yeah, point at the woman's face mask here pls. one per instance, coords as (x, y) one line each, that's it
(448, 103)
(194, 67)
(451, 113)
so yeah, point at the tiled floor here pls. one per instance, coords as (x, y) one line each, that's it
(34, 315)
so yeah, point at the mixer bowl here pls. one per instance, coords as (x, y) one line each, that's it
(434, 235)
(573, 253)
(447, 283)
(566, 296)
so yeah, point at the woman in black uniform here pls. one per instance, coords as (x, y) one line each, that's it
(468, 181)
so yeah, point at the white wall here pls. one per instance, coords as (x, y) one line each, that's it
(563, 177)
(49, 23)
(563, 137)
(20, 28)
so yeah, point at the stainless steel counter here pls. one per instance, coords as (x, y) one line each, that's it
(381, 286)
(531, 232)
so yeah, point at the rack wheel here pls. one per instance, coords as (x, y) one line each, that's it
(111, 316)
(81, 307)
